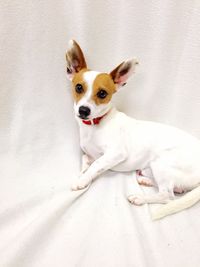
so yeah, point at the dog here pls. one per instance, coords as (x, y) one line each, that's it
(163, 156)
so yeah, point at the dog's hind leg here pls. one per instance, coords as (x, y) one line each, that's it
(165, 187)
(144, 177)
(159, 198)
(162, 197)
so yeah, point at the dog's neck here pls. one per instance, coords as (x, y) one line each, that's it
(98, 120)
(95, 120)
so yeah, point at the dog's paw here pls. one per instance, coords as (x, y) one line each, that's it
(144, 181)
(136, 200)
(79, 184)
(178, 190)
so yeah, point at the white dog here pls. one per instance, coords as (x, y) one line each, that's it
(112, 140)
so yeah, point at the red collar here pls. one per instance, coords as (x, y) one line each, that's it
(94, 121)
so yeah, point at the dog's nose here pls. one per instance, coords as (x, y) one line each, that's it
(84, 112)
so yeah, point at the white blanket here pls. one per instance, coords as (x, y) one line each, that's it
(42, 222)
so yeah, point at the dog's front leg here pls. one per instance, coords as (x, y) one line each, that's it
(86, 162)
(102, 164)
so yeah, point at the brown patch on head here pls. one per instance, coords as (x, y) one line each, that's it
(103, 82)
(78, 79)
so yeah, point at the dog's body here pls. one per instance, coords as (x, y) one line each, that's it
(120, 143)
(139, 145)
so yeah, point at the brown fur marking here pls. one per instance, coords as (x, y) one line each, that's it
(105, 82)
(78, 78)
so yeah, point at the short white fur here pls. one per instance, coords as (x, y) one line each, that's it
(121, 143)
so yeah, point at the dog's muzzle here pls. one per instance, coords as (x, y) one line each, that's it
(84, 112)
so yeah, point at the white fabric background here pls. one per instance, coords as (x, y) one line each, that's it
(43, 223)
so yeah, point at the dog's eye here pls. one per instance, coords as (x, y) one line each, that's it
(79, 88)
(102, 94)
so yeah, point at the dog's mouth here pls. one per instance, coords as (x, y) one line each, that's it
(82, 117)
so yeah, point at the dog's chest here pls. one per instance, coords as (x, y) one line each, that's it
(91, 142)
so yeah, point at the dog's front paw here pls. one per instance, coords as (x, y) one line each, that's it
(136, 200)
(79, 184)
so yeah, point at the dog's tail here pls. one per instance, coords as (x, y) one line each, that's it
(177, 205)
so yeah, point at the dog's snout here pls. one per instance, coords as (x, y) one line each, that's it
(84, 112)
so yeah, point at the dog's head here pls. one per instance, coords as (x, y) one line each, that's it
(92, 91)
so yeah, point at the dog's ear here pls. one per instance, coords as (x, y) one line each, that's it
(75, 59)
(122, 72)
